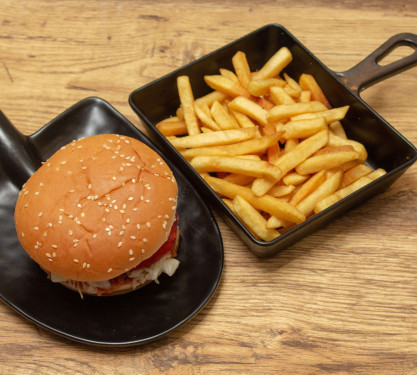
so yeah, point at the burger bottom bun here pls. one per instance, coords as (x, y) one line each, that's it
(128, 285)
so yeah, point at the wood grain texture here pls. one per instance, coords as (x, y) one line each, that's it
(341, 301)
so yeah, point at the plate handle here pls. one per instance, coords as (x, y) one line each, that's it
(369, 72)
(18, 157)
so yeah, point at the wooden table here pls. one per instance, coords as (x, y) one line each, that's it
(343, 300)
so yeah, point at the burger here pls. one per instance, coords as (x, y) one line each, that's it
(99, 216)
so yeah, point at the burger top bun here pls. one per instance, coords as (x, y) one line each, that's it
(97, 208)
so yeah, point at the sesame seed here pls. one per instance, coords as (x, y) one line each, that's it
(75, 260)
(145, 240)
(50, 259)
(133, 237)
(119, 244)
(143, 251)
(40, 214)
(41, 184)
(84, 265)
(130, 252)
(94, 235)
(54, 254)
(61, 209)
(26, 204)
(44, 233)
(78, 222)
(84, 167)
(48, 255)
(133, 180)
(130, 199)
(132, 258)
(109, 233)
(54, 246)
(63, 162)
(75, 240)
(138, 226)
(110, 269)
(122, 232)
(70, 232)
(89, 186)
(23, 235)
(114, 178)
(36, 228)
(148, 224)
(82, 214)
(25, 192)
(88, 266)
(134, 209)
(122, 211)
(79, 205)
(36, 192)
(128, 220)
(147, 201)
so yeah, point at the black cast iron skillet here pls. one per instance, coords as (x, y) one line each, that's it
(386, 147)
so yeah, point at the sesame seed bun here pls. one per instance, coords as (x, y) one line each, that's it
(97, 208)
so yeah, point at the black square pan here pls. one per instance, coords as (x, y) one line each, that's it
(386, 147)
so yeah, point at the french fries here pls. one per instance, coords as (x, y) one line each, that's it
(271, 146)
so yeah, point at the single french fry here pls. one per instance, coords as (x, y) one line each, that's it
(229, 74)
(291, 159)
(253, 220)
(254, 168)
(336, 128)
(331, 115)
(239, 179)
(334, 140)
(206, 130)
(328, 187)
(354, 174)
(172, 126)
(308, 82)
(274, 223)
(279, 96)
(377, 173)
(275, 64)
(226, 86)
(304, 128)
(283, 111)
(222, 137)
(308, 187)
(281, 190)
(210, 98)
(290, 144)
(274, 206)
(249, 108)
(305, 96)
(251, 146)
(294, 178)
(242, 69)
(206, 119)
(261, 87)
(222, 118)
(187, 102)
(325, 161)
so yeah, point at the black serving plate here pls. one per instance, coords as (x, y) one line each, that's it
(134, 318)
(386, 147)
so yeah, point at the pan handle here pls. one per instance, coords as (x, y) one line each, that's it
(369, 72)
(19, 159)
